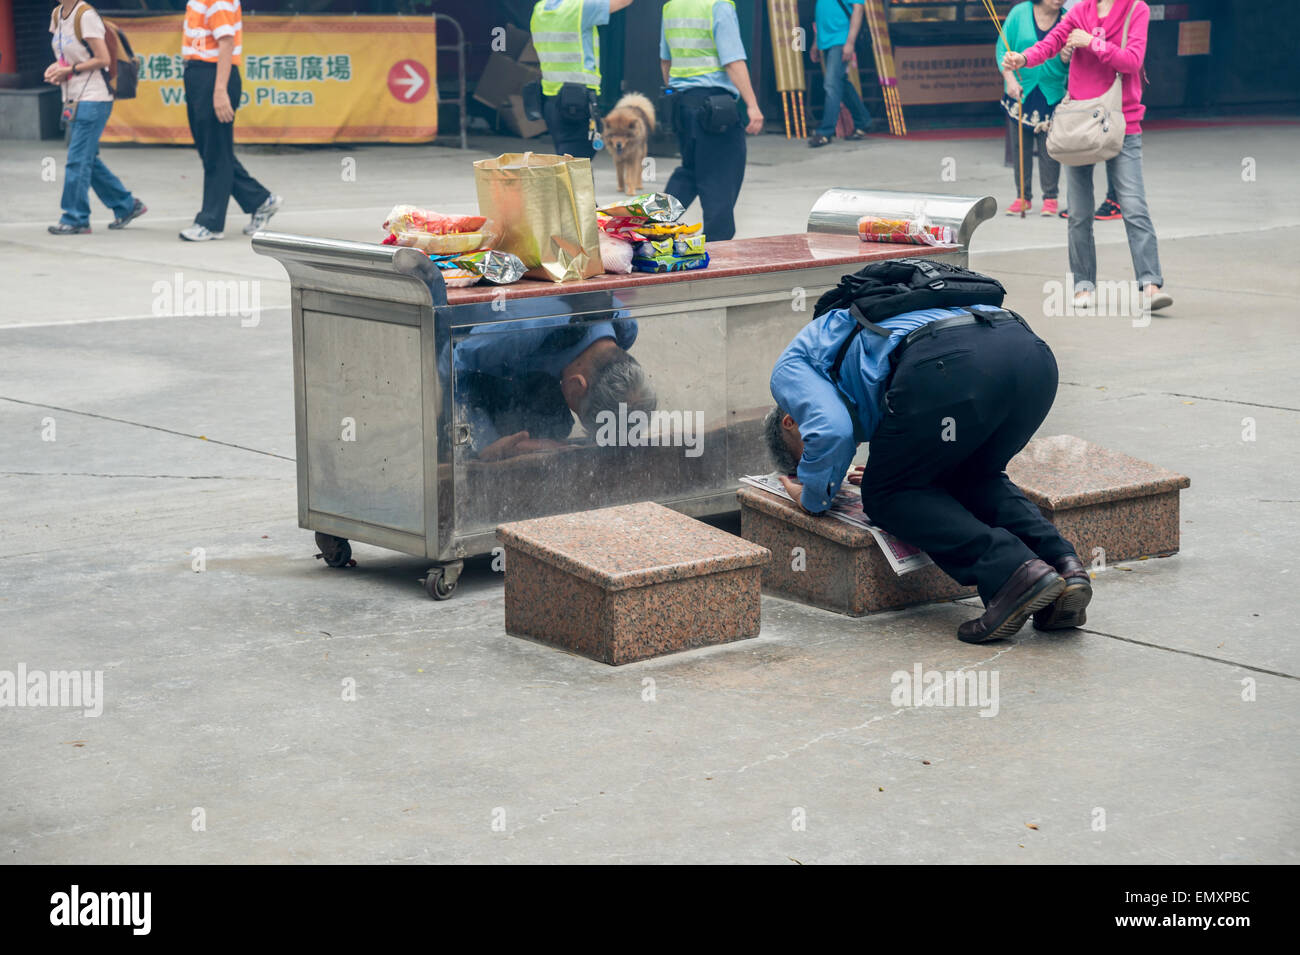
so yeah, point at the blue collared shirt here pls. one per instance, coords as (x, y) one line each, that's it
(726, 37)
(801, 384)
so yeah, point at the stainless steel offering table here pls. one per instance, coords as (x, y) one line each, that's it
(403, 388)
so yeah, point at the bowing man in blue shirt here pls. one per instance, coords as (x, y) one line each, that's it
(945, 398)
(519, 384)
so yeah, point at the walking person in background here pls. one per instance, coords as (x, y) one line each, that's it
(835, 31)
(212, 43)
(1043, 88)
(81, 59)
(1092, 29)
(705, 69)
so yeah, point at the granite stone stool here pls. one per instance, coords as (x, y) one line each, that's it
(1099, 498)
(626, 583)
(843, 568)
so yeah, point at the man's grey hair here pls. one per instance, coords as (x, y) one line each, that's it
(782, 457)
(621, 380)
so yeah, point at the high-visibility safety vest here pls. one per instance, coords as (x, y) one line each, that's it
(688, 28)
(557, 38)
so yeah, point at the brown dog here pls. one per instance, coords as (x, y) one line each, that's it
(627, 134)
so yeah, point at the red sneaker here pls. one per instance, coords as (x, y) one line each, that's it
(1017, 204)
(1108, 210)
(1050, 208)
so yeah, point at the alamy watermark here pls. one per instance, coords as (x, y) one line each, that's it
(978, 688)
(58, 688)
(651, 429)
(210, 297)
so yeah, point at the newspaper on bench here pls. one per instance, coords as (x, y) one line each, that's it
(847, 507)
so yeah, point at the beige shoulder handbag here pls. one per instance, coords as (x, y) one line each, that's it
(1088, 131)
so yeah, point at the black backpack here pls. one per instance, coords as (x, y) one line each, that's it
(882, 290)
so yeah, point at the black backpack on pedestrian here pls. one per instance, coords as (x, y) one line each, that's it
(882, 290)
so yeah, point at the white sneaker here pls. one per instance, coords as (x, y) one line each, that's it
(263, 214)
(200, 233)
(1159, 300)
(1084, 301)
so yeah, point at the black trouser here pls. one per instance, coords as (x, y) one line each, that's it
(713, 164)
(223, 176)
(569, 135)
(1049, 170)
(961, 404)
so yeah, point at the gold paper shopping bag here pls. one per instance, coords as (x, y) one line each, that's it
(545, 207)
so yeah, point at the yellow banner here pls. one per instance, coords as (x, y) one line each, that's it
(305, 80)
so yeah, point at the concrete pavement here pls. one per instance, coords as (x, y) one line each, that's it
(1129, 742)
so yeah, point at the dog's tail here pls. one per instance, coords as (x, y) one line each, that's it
(638, 101)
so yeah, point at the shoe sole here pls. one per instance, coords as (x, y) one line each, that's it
(252, 230)
(1043, 593)
(1160, 301)
(1069, 610)
(211, 238)
(129, 219)
(1107, 218)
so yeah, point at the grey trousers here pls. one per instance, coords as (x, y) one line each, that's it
(1125, 172)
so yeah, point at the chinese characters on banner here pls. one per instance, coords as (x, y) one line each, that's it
(305, 80)
(947, 74)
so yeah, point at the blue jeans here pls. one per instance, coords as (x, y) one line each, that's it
(85, 170)
(838, 89)
(1125, 174)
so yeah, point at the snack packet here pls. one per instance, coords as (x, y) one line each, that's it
(670, 263)
(408, 218)
(455, 277)
(444, 243)
(493, 265)
(688, 244)
(655, 206)
(905, 231)
(669, 228)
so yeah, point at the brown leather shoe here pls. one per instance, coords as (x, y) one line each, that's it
(1033, 586)
(1067, 610)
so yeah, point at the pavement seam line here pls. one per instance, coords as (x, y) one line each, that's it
(1179, 394)
(138, 424)
(1192, 653)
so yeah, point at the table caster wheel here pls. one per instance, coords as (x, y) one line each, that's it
(335, 551)
(440, 582)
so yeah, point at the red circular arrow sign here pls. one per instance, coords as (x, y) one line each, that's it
(408, 81)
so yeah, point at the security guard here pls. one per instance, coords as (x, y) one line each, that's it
(564, 35)
(703, 61)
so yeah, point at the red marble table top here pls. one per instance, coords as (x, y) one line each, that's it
(771, 253)
(631, 546)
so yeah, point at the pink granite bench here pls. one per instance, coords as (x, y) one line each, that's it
(1101, 501)
(1104, 502)
(838, 566)
(626, 583)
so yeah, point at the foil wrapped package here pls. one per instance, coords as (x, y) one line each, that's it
(493, 265)
(654, 206)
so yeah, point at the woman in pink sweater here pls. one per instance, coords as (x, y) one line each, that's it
(1092, 30)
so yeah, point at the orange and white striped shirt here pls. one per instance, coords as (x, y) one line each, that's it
(206, 22)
